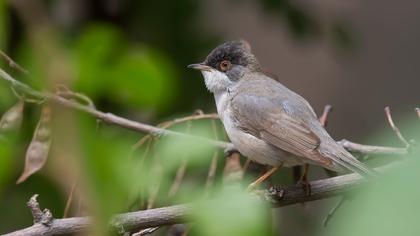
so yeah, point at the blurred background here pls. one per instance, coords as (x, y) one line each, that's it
(130, 57)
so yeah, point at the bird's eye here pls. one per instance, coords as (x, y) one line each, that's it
(225, 65)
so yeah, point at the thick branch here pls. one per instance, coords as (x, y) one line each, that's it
(324, 188)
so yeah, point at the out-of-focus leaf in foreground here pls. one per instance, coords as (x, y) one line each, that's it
(9, 124)
(108, 171)
(12, 118)
(388, 206)
(232, 213)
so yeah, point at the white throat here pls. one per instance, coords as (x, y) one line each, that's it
(216, 81)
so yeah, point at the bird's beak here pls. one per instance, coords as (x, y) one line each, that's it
(199, 66)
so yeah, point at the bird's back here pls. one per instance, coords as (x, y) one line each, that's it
(271, 99)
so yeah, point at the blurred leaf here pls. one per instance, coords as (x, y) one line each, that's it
(232, 213)
(130, 75)
(3, 24)
(38, 149)
(6, 96)
(143, 78)
(12, 119)
(6, 160)
(109, 172)
(389, 205)
(173, 150)
(98, 50)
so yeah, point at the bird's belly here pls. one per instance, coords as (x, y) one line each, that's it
(257, 149)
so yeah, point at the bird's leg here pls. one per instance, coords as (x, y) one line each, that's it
(263, 177)
(304, 180)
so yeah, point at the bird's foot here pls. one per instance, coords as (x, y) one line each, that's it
(306, 186)
(274, 194)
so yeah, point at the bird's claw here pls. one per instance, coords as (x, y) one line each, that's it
(306, 186)
(275, 193)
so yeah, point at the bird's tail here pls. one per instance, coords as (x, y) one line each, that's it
(349, 162)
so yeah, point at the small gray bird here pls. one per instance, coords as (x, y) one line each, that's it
(266, 121)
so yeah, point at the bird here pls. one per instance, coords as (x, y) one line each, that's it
(266, 121)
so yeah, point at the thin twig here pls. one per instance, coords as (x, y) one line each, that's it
(13, 64)
(333, 211)
(180, 173)
(165, 125)
(246, 165)
(213, 165)
(145, 231)
(371, 150)
(395, 128)
(324, 117)
(70, 199)
(63, 91)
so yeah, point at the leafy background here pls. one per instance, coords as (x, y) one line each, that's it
(130, 58)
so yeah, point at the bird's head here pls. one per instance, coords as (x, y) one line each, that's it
(226, 65)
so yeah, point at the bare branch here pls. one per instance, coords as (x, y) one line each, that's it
(70, 199)
(13, 64)
(324, 117)
(371, 150)
(334, 210)
(321, 189)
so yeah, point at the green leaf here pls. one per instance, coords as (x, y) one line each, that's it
(6, 160)
(232, 213)
(97, 51)
(389, 204)
(143, 78)
(110, 67)
(3, 24)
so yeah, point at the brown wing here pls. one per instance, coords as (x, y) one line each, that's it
(266, 118)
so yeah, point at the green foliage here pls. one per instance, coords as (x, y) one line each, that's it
(3, 24)
(6, 98)
(388, 205)
(232, 213)
(173, 149)
(6, 160)
(130, 75)
(107, 169)
(5, 95)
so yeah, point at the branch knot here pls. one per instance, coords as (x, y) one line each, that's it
(44, 217)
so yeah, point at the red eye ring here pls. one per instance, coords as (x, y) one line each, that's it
(225, 65)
